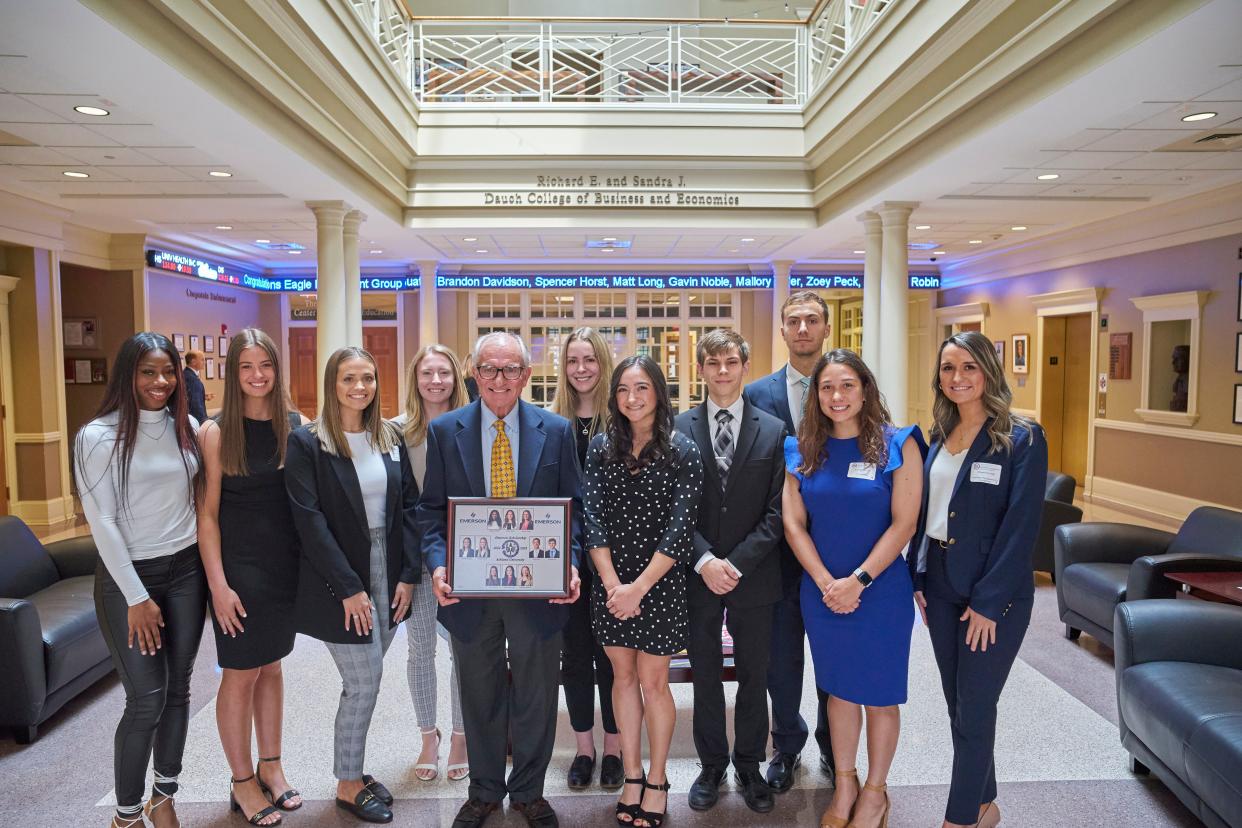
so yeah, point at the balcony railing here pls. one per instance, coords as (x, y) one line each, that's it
(623, 62)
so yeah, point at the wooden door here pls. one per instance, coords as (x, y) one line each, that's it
(1078, 396)
(1051, 377)
(382, 343)
(304, 376)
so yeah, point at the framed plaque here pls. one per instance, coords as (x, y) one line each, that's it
(508, 547)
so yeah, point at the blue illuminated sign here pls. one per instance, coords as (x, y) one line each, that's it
(214, 272)
(674, 281)
(816, 281)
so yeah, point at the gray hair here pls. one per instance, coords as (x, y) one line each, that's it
(500, 338)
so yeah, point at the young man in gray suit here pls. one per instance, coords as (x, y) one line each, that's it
(737, 572)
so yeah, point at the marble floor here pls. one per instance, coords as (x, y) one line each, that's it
(1059, 761)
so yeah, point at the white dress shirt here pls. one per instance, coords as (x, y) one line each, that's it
(713, 429)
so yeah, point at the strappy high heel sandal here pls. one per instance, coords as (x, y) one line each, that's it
(653, 819)
(152, 809)
(888, 804)
(990, 817)
(458, 770)
(632, 811)
(255, 818)
(136, 821)
(831, 820)
(278, 801)
(429, 767)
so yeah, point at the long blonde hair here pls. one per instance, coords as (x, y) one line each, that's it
(415, 428)
(997, 396)
(565, 403)
(232, 416)
(380, 433)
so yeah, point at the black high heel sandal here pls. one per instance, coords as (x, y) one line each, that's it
(278, 801)
(257, 818)
(632, 811)
(653, 819)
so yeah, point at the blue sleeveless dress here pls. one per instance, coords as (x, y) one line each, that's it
(861, 657)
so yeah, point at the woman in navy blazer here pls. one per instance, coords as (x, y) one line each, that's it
(353, 498)
(971, 556)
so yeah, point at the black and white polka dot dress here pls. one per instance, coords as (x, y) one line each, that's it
(635, 515)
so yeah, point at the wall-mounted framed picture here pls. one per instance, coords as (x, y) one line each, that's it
(209, 344)
(179, 342)
(1021, 353)
(1237, 404)
(81, 332)
(210, 371)
(221, 374)
(1237, 355)
(194, 342)
(999, 345)
(224, 347)
(1240, 297)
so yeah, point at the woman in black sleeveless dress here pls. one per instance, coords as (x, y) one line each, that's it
(250, 553)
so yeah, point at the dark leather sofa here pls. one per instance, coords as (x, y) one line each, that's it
(1099, 565)
(50, 645)
(1179, 700)
(1059, 509)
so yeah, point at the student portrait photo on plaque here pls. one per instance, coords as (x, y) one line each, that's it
(494, 557)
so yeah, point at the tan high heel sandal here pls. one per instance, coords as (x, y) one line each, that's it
(888, 804)
(990, 817)
(831, 820)
(158, 814)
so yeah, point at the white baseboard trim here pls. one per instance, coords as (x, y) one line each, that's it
(44, 513)
(1151, 503)
(1221, 437)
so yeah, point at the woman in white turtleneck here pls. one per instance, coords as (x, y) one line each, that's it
(136, 470)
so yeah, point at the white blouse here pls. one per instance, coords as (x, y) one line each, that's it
(372, 478)
(944, 473)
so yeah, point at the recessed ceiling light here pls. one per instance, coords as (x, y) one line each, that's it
(1018, 227)
(91, 110)
(1047, 177)
(377, 251)
(860, 251)
(605, 250)
(481, 250)
(609, 238)
(975, 241)
(922, 227)
(224, 227)
(262, 241)
(471, 238)
(74, 174)
(747, 241)
(937, 252)
(1198, 116)
(733, 250)
(295, 252)
(220, 174)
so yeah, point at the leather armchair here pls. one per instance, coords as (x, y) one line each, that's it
(50, 643)
(1098, 564)
(1179, 700)
(1059, 509)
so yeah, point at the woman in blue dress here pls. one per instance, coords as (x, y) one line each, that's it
(853, 488)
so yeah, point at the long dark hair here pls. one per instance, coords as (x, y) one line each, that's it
(121, 397)
(816, 427)
(232, 414)
(620, 447)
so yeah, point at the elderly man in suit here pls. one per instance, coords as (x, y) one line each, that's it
(804, 327)
(500, 446)
(738, 568)
(196, 393)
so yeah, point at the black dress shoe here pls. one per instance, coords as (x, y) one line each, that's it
(581, 771)
(538, 813)
(376, 787)
(781, 769)
(611, 772)
(706, 789)
(827, 769)
(756, 791)
(366, 807)
(474, 813)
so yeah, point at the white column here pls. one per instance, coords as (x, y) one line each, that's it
(871, 288)
(353, 277)
(331, 332)
(894, 310)
(428, 304)
(780, 292)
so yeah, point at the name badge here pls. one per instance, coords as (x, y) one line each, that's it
(394, 454)
(862, 471)
(985, 473)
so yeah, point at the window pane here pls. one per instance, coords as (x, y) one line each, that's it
(545, 356)
(499, 305)
(548, 305)
(604, 305)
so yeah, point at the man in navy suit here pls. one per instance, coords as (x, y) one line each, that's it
(465, 458)
(804, 327)
(196, 394)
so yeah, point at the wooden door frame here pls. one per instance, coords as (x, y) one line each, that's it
(7, 286)
(1070, 303)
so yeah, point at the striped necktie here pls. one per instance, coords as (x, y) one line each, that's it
(504, 484)
(722, 446)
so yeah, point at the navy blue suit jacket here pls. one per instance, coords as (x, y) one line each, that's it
(771, 394)
(993, 526)
(547, 466)
(195, 395)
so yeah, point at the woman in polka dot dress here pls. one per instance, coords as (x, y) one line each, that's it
(643, 484)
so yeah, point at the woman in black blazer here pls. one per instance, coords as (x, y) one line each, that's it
(971, 556)
(353, 497)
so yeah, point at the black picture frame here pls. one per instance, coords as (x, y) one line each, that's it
(1237, 404)
(1237, 355)
(1240, 297)
(509, 546)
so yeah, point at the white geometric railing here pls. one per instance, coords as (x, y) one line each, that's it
(618, 62)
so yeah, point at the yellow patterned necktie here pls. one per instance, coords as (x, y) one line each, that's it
(504, 484)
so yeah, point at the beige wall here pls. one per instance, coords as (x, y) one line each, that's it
(1204, 471)
(108, 298)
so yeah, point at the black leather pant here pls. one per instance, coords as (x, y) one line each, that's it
(157, 688)
(584, 665)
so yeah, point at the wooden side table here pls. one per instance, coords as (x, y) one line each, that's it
(1220, 587)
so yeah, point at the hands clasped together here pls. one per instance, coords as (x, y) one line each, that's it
(841, 595)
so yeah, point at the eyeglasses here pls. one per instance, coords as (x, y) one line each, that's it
(511, 372)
